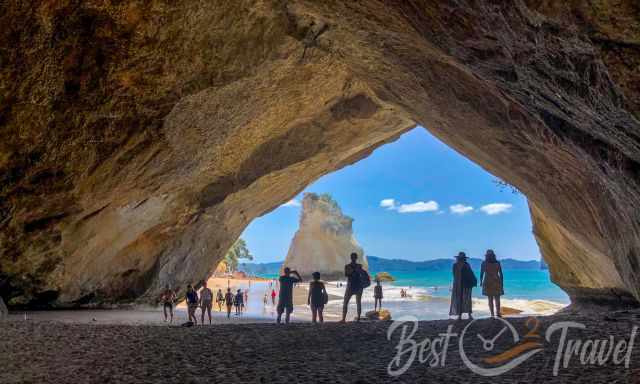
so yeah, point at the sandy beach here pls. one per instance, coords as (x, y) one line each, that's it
(256, 311)
(35, 351)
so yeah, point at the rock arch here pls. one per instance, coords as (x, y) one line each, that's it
(139, 140)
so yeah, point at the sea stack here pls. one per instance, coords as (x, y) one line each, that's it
(324, 241)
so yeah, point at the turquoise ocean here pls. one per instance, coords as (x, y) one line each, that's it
(530, 291)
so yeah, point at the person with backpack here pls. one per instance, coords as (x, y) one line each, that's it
(317, 298)
(357, 280)
(463, 282)
(192, 303)
(377, 296)
(228, 300)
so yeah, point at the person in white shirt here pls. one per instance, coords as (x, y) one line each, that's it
(206, 302)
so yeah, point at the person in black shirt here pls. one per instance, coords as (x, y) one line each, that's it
(353, 272)
(192, 303)
(285, 300)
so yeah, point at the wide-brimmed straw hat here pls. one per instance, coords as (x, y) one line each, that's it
(461, 255)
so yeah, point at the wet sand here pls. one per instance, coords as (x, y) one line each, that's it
(54, 352)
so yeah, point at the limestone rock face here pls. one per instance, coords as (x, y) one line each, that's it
(138, 139)
(324, 241)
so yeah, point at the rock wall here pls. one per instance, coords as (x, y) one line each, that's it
(140, 138)
(324, 241)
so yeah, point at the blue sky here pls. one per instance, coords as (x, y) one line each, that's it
(414, 199)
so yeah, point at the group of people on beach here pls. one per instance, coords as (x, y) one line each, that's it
(204, 301)
(357, 280)
(464, 280)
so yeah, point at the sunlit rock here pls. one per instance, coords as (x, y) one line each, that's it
(324, 241)
(138, 140)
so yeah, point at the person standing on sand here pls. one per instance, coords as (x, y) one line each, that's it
(357, 278)
(463, 282)
(192, 303)
(273, 296)
(317, 298)
(168, 297)
(238, 302)
(219, 299)
(285, 300)
(377, 296)
(491, 280)
(246, 296)
(206, 302)
(228, 300)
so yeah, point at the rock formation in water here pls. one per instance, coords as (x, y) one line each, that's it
(140, 138)
(324, 241)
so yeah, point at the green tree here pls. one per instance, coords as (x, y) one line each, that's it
(238, 250)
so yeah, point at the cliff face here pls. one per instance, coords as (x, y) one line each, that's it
(324, 242)
(139, 139)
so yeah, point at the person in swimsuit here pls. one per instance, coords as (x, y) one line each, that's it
(192, 303)
(377, 296)
(168, 297)
(285, 300)
(228, 300)
(238, 301)
(317, 297)
(219, 299)
(206, 302)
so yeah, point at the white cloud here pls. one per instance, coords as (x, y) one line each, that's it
(419, 206)
(460, 209)
(496, 208)
(388, 203)
(292, 203)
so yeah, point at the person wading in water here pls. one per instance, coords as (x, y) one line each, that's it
(357, 280)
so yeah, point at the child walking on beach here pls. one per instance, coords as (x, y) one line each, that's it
(317, 298)
(377, 296)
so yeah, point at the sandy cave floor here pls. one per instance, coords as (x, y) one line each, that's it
(57, 352)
